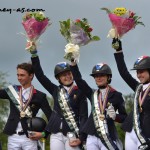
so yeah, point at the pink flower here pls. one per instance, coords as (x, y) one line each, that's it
(78, 20)
(35, 28)
(131, 14)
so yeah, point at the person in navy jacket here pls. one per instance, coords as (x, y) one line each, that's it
(105, 100)
(137, 123)
(58, 125)
(16, 126)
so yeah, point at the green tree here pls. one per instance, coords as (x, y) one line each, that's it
(4, 110)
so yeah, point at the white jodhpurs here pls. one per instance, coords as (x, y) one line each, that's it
(21, 142)
(60, 142)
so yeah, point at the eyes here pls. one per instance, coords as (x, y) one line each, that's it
(141, 71)
(64, 74)
(20, 75)
(100, 75)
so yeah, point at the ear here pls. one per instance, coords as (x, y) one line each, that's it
(109, 79)
(57, 78)
(31, 76)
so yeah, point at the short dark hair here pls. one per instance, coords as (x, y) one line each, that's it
(27, 67)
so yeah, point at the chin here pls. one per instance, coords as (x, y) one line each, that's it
(68, 83)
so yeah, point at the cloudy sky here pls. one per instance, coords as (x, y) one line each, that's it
(51, 50)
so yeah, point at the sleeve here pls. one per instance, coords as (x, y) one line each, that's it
(82, 85)
(3, 94)
(46, 83)
(46, 107)
(83, 113)
(119, 57)
(122, 114)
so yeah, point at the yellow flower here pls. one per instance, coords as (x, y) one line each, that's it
(120, 11)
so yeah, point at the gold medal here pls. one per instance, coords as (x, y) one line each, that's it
(101, 117)
(22, 114)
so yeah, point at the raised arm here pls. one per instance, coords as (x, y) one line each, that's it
(121, 65)
(46, 83)
(83, 86)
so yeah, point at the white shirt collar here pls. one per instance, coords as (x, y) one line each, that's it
(67, 88)
(145, 86)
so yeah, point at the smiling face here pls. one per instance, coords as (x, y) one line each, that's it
(143, 76)
(24, 78)
(101, 79)
(66, 78)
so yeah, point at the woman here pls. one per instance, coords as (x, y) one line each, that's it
(70, 108)
(105, 101)
(137, 123)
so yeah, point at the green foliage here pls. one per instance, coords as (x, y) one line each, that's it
(3, 82)
(39, 16)
(65, 29)
(4, 110)
(80, 24)
(129, 102)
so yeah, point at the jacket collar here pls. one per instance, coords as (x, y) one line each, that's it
(19, 87)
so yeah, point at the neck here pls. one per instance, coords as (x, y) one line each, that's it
(147, 82)
(102, 87)
(26, 86)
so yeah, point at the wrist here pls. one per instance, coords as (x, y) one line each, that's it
(120, 51)
(34, 53)
(43, 134)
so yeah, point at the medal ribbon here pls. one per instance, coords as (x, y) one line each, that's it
(142, 98)
(24, 106)
(102, 103)
(71, 89)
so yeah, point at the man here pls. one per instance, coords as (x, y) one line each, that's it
(100, 127)
(25, 102)
(137, 123)
(70, 108)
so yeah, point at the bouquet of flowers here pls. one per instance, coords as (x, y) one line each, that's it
(77, 33)
(122, 20)
(34, 23)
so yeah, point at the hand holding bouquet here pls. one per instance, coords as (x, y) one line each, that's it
(34, 24)
(122, 20)
(77, 33)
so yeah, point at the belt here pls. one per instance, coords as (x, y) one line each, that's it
(20, 132)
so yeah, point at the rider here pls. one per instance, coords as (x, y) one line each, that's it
(100, 126)
(137, 123)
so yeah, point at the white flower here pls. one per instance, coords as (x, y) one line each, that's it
(72, 52)
(111, 33)
(42, 14)
(70, 48)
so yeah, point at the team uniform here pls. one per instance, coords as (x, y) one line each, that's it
(136, 135)
(16, 127)
(57, 125)
(95, 140)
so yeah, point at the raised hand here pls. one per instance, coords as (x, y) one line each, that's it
(116, 44)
